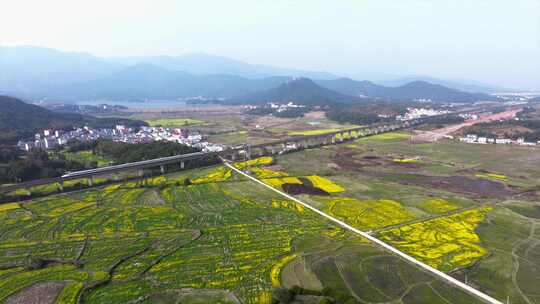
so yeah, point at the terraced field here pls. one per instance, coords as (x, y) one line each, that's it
(223, 239)
(129, 238)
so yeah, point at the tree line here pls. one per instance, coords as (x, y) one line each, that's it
(19, 166)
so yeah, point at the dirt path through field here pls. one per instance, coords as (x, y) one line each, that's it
(437, 134)
(516, 260)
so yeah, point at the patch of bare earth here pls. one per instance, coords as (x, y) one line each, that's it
(268, 121)
(315, 115)
(306, 187)
(154, 198)
(461, 184)
(178, 295)
(345, 159)
(434, 135)
(41, 293)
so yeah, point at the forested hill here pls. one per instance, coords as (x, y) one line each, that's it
(409, 91)
(19, 119)
(300, 91)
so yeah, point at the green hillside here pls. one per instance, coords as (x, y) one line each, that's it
(20, 120)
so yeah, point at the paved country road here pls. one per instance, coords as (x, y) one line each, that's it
(480, 295)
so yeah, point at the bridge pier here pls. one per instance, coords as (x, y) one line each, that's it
(91, 181)
(162, 169)
(181, 165)
(61, 185)
(140, 173)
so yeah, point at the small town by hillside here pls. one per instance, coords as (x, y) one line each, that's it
(50, 139)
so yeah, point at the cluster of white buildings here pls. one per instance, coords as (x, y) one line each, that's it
(49, 139)
(413, 113)
(284, 107)
(475, 139)
(469, 116)
(276, 106)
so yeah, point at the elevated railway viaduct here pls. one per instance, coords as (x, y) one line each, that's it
(242, 151)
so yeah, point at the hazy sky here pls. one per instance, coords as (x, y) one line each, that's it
(496, 41)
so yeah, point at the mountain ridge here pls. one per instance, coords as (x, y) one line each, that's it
(19, 119)
(80, 76)
(301, 91)
(204, 64)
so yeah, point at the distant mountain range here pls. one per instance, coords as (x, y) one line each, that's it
(203, 64)
(299, 90)
(149, 81)
(34, 71)
(39, 72)
(408, 91)
(20, 120)
(465, 85)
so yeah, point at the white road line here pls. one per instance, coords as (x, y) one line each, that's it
(440, 274)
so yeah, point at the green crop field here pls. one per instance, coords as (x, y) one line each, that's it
(87, 157)
(174, 122)
(224, 239)
(475, 208)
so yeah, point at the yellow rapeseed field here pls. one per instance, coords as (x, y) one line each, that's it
(437, 205)
(325, 184)
(261, 161)
(287, 204)
(219, 175)
(9, 206)
(223, 173)
(490, 175)
(390, 136)
(405, 160)
(263, 173)
(278, 182)
(445, 243)
(367, 214)
(276, 269)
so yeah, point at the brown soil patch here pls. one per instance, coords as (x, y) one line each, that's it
(295, 189)
(41, 293)
(268, 121)
(333, 166)
(437, 134)
(405, 165)
(173, 296)
(315, 115)
(480, 187)
(344, 158)
(154, 198)
(275, 167)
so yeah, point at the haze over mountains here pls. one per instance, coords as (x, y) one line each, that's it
(35, 72)
(22, 120)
